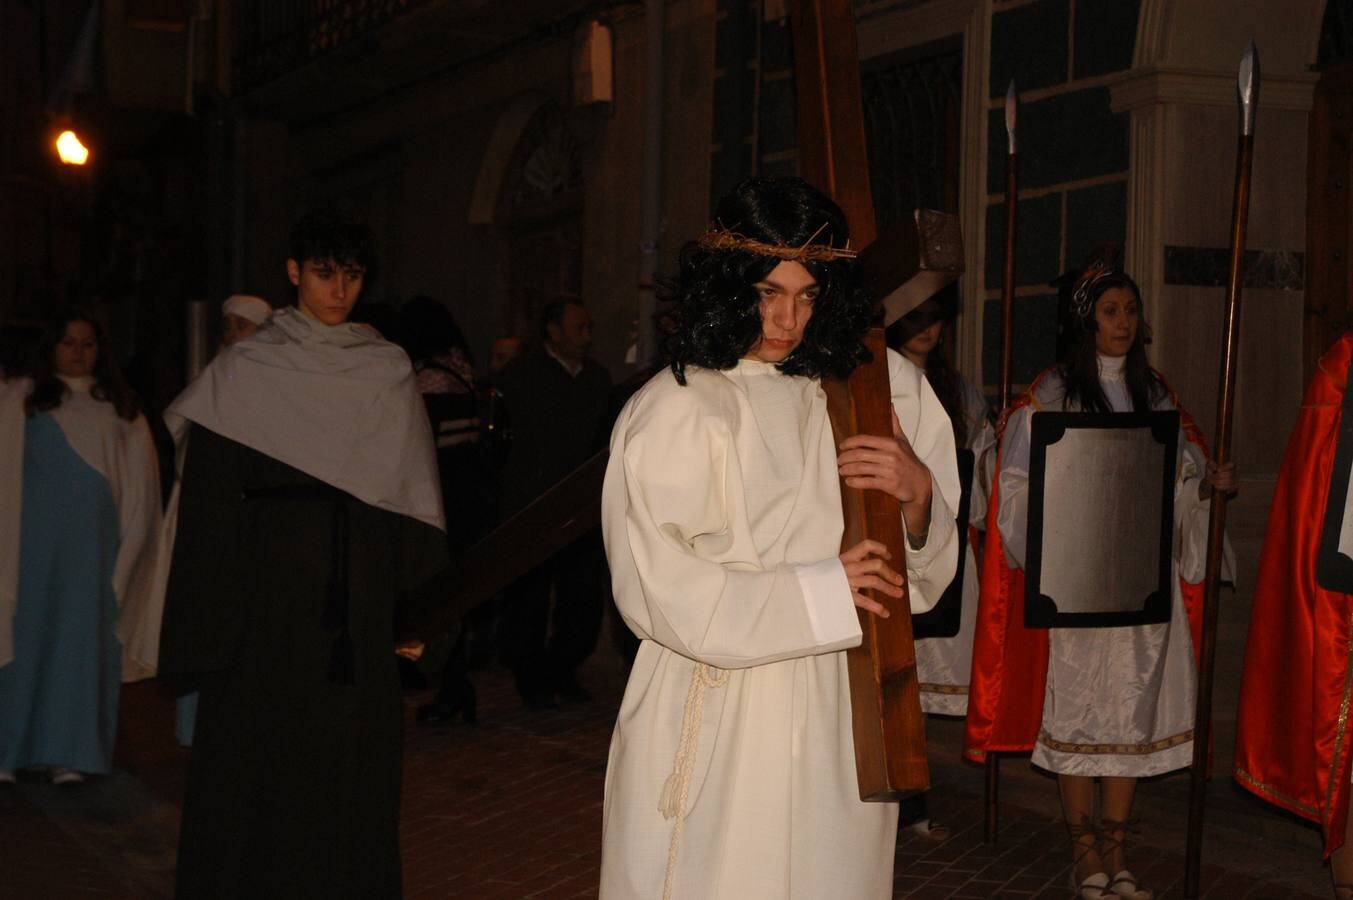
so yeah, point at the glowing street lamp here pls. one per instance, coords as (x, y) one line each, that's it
(70, 150)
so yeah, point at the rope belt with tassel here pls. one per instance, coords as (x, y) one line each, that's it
(676, 790)
(336, 607)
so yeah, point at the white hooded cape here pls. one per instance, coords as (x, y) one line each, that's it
(337, 402)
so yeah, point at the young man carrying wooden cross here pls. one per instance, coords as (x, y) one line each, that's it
(732, 770)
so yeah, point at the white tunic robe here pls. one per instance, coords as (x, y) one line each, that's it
(722, 517)
(1118, 701)
(944, 664)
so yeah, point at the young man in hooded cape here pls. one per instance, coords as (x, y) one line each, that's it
(308, 502)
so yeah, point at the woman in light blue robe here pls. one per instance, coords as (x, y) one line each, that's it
(88, 511)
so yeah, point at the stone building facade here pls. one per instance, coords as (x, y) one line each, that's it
(456, 128)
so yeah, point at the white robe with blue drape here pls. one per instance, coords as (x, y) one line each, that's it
(77, 555)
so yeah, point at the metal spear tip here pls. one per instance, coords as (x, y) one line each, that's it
(1011, 110)
(1248, 87)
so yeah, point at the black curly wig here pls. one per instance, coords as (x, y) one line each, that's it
(716, 305)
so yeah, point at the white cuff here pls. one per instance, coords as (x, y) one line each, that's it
(830, 604)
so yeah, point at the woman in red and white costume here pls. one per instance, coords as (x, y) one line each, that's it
(1113, 704)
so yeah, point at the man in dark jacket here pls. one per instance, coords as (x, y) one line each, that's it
(557, 401)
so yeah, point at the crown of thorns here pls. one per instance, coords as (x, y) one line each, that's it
(725, 239)
(1081, 298)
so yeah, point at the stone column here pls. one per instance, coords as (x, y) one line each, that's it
(1184, 126)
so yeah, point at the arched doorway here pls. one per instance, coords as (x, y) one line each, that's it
(539, 219)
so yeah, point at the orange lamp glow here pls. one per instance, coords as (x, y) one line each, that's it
(69, 148)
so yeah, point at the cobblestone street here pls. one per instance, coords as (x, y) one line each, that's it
(511, 808)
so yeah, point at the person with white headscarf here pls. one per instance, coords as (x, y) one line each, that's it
(241, 316)
(79, 509)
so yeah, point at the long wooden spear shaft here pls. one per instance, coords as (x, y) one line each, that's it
(993, 763)
(1008, 274)
(1202, 726)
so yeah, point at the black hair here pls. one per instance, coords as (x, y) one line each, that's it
(553, 314)
(943, 377)
(328, 233)
(715, 302)
(428, 330)
(1080, 366)
(49, 391)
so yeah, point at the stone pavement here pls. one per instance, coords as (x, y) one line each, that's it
(511, 808)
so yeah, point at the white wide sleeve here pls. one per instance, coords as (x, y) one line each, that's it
(138, 502)
(930, 568)
(139, 516)
(982, 443)
(1012, 518)
(684, 570)
(1192, 518)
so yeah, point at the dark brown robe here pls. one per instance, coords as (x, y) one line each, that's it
(293, 787)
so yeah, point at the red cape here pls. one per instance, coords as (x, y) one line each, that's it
(1292, 747)
(1009, 661)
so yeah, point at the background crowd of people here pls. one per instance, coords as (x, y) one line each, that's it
(372, 453)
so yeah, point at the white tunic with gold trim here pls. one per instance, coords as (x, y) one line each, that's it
(1118, 701)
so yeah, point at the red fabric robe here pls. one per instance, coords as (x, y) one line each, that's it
(1292, 746)
(1009, 661)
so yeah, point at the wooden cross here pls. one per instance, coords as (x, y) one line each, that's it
(890, 752)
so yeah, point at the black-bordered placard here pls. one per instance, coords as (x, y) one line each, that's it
(1334, 558)
(944, 619)
(1101, 519)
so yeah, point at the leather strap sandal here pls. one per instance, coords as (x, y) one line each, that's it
(1094, 886)
(1124, 884)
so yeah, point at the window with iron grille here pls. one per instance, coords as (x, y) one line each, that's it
(275, 36)
(912, 105)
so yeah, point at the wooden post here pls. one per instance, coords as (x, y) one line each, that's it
(1202, 727)
(1008, 272)
(992, 784)
(992, 791)
(890, 757)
